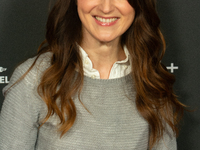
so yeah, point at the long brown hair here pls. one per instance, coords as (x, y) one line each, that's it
(155, 99)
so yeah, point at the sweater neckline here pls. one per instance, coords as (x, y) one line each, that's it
(109, 82)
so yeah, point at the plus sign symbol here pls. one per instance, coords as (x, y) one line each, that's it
(172, 67)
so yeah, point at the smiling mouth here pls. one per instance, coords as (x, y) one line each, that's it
(105, 20)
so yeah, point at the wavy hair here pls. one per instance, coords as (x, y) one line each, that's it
(155, 99)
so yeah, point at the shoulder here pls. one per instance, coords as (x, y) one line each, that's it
(32, 78)
(41, 63)
(23, 106)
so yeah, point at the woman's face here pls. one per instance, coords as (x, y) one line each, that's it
(105, 20)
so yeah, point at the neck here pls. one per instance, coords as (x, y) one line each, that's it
(103, 55)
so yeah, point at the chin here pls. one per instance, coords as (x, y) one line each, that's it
(106, 39)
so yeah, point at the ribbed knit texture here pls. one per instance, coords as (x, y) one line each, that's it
(114, 122)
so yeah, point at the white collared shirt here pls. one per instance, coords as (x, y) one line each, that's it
(119, 68)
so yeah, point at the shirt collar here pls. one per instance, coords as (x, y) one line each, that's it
(84, 56)
(119, 68)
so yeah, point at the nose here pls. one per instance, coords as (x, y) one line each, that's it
(106, 6)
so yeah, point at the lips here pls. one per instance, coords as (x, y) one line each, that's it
(108, 21)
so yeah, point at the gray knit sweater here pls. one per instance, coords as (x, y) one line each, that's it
(114, 122)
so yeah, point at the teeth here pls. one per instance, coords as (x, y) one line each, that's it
(106, 20)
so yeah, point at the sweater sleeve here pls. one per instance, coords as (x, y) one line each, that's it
(19, 114)
(168, 142)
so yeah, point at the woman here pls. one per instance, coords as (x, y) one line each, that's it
(97, 82)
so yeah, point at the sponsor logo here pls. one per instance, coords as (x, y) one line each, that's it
(2, 69)
(3, 79)
(172, 67)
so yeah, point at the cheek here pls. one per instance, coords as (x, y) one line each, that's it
(81, 7)
(85, 6)
(130, 12)
(130, 16)
(127, 10)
